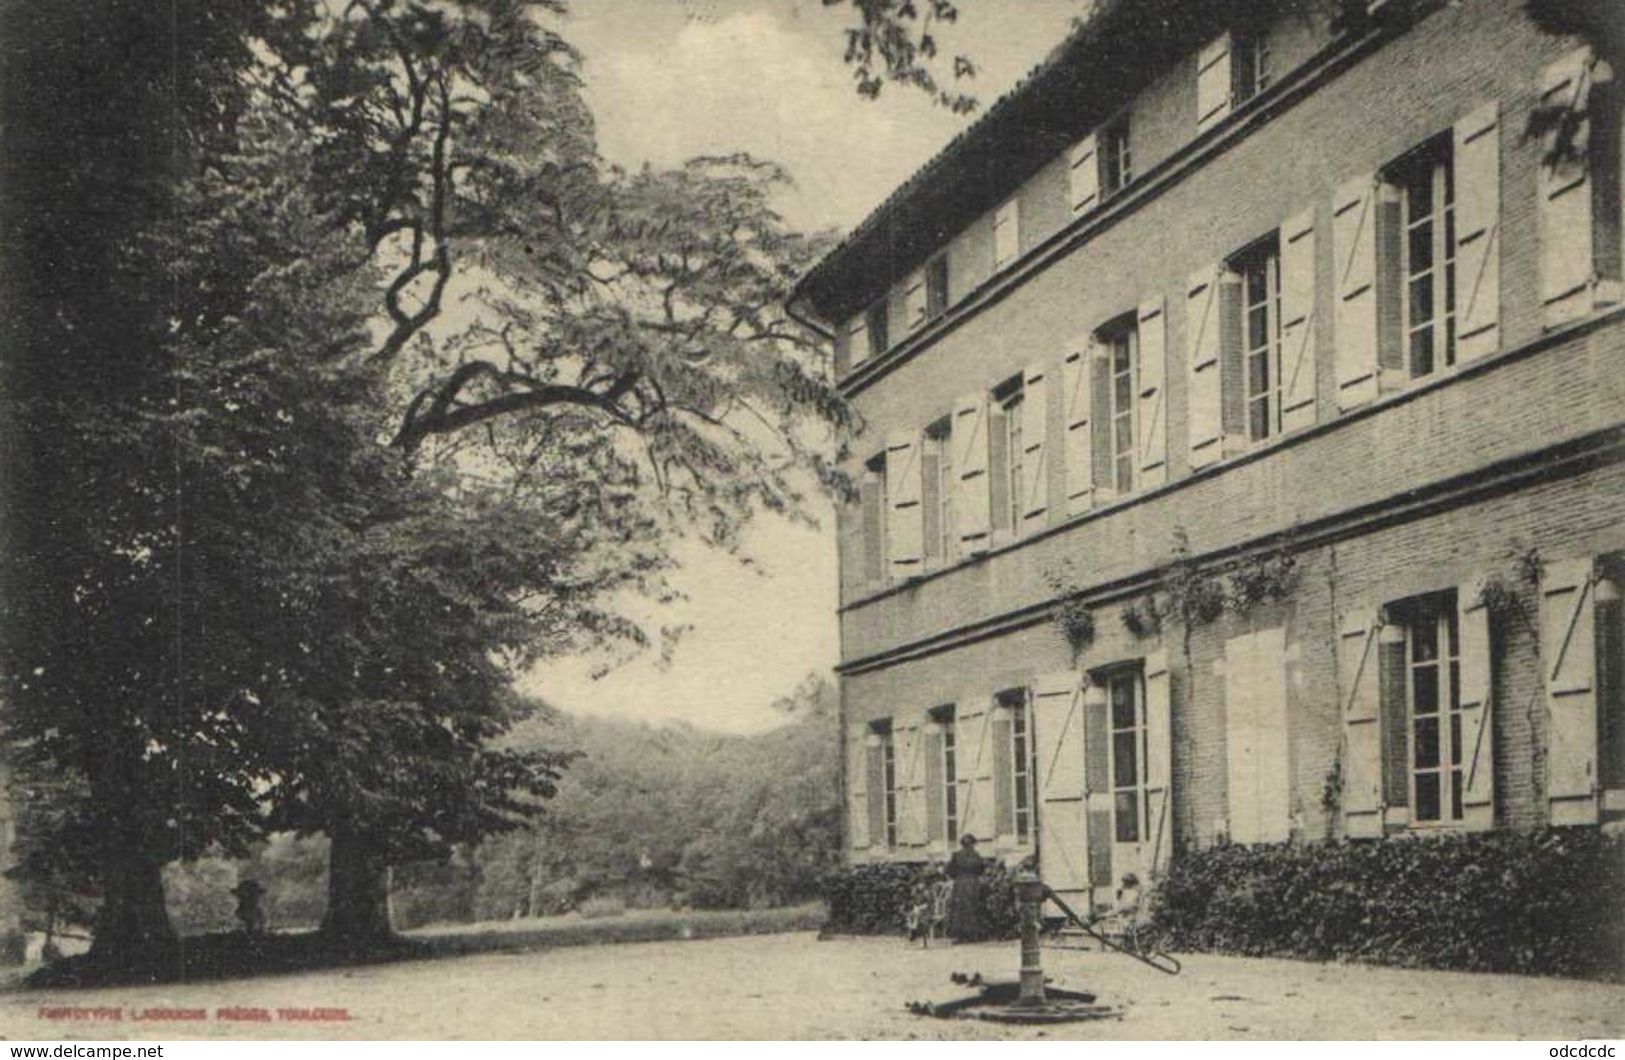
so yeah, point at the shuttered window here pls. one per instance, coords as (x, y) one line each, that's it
(939, 484)
(1122, 347)
(888, 774)
(936, 287)
(1260, 272)
(1427, 247)
(947, 796)
(914, 301)
(872, 502)
(1249, 64)
(875, 328)
(1126, 736)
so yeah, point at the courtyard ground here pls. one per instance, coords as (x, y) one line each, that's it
(795, 986)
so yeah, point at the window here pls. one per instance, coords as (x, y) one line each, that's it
(936, 287)
(1121, 341)
(875, 506)
(1249, 66)
(942, 534)
(1116, 164)
(1425, 182)
(1022, 772)
(874, 321)
(1126, 720)
(888, 774)
(1011, 425)
(1260, 272)
(944, 717)
(1434, 718)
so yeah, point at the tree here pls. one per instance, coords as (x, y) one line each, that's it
(270, 618)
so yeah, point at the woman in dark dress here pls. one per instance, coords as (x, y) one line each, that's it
(965, 904)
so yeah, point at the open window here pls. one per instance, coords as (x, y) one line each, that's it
(942, 776)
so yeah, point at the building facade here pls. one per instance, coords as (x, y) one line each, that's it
(1280, 349)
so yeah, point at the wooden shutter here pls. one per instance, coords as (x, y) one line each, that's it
(1083, 180)
(1202, 345)
(857, 340)
(1034, 457)
(936, 819)
(1006, 234)
(910, 785)
(1257, 747)
(872, 498)
(1213, 82)
(1567, 266)
(914, 301)
(1360, 694)
(1476, 667)
(1297, 242)
(976, 784)
(1152, 412)
(1158, 761)
(905, 529)
(1077, 415)
(1354, 244)
(1568, 657)
(969, 442)
(857, 784)
(1004, 806)
(1477, 164)
(1063, 819)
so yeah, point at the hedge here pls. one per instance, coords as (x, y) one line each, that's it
(873, 899)
(1542, 903)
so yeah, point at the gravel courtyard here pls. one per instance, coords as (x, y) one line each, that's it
(793, 986)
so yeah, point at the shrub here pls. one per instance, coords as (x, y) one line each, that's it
(1541, 903)
(873, 899)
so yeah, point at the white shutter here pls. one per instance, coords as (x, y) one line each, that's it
(1360, 694)
(1213, 82)
(969, 443)
(1477, 163)
(857, 786)
(1568, 657)
(1034, 457)
(1006, 234)
(914, 301)
(1158, 761)
(1475, 667)
(1203, 344)
(1078, 403)
(1257, 748)
(1152, 411)
(1297, 241)
(1354, 244)
(1063, 821)
(976, 801)
(1083, 180)
(1567, 269)
(905, 529)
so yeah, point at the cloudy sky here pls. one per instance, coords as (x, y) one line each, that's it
(670, 79)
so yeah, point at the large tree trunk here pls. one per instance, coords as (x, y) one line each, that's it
(357, 890)
(133, 931)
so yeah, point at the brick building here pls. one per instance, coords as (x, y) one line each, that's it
(1285, 312)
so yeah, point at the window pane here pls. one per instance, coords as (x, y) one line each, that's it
(1125, 434)
(1421, 246)
(1425, 640)
(1123, 385)
(1122, 705)
(1455, 795)
(1258, 419)
(1422, 351)
(1127, 813)
(1421, 300)
(1427, 743)
(1258, 374)
(1427, 796)
(1125, 771)
(1425, 690)
(1455, 739)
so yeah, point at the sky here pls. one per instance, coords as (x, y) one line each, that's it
(671, 79)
